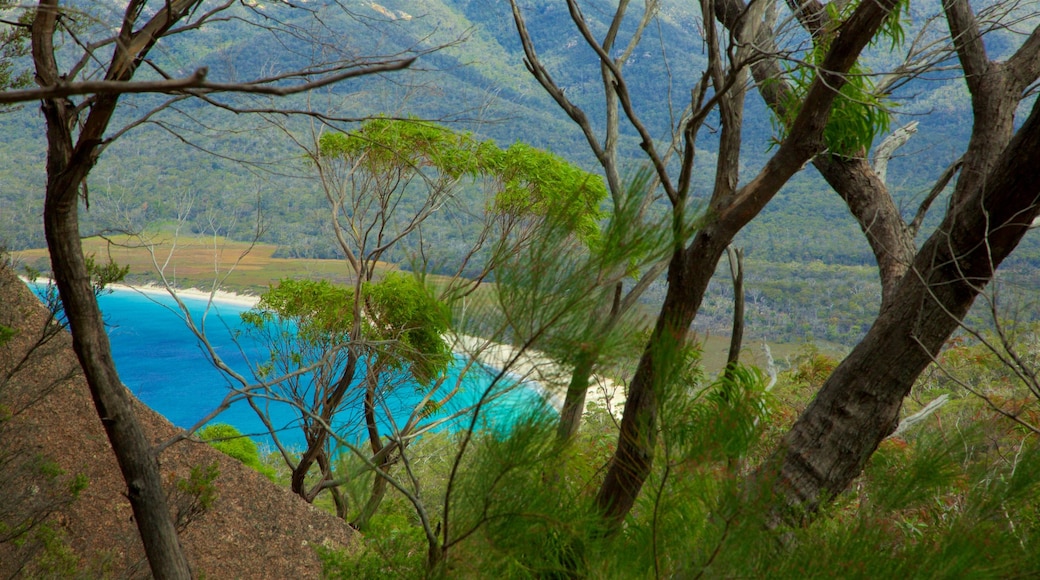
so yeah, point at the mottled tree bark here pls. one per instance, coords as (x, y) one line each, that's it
(859, 404)
(865, 194)
(993, 204)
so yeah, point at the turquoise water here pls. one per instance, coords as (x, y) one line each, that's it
(163, 365)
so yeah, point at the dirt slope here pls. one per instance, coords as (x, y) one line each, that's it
(254, 528)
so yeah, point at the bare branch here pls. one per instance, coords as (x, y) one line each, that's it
(909, 422)
(939, 186)
(883, 152)
(538, 70)
(197, 84)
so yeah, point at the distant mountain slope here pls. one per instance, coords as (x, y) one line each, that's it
(476, 82)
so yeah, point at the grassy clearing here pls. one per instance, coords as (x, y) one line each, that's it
(194, 262)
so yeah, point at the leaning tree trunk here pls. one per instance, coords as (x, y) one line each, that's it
(688, 276)
(574, 401)
(859, 404)
(137, 461)
(860, 187)
(67, 168)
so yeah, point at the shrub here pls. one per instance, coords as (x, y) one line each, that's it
(231, 442)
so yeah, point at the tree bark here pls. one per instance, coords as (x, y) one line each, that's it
(137, 462)
(736, 339)
(868, 200)
(574, 401)
(859, 404)
(993, 204)
(378, 451)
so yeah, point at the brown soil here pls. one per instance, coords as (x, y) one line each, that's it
(254, 529)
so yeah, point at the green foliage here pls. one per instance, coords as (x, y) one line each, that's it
(400, 308)
(192, 496)
(322, 313)
(54, 557)
(894, 27)
(932, 508)
(526, 522)
(104, 274)
(730, 414)
(526, 181)
(304, 322)
(859, 114)
(229, 441)
(953, 503)
(857, 117)
(541, 183)
(35, 488)
(386, 146)
(811, 367)
(392, 547)
(6, 334)
(557, 290)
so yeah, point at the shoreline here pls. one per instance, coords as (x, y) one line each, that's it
(217, 297)
(537, 371)
(532, 369)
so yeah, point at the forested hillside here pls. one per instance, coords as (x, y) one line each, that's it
(213, 170)
(216, 168)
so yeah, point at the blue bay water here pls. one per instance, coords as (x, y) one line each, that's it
(163, 364)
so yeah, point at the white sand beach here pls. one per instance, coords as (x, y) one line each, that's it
(217, 296)
(540, 372)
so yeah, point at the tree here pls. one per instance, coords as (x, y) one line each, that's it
(309, 328)
(828, 113)
(695, 253)
(339, 352)
(927, 293)
(77, 134)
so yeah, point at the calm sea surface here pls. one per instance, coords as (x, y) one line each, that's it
(163, 364)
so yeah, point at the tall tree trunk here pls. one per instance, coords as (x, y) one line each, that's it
(137, 462)
(67, 169)
(688, 275)
(375, 498)
(581, 374)
(859, 404)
